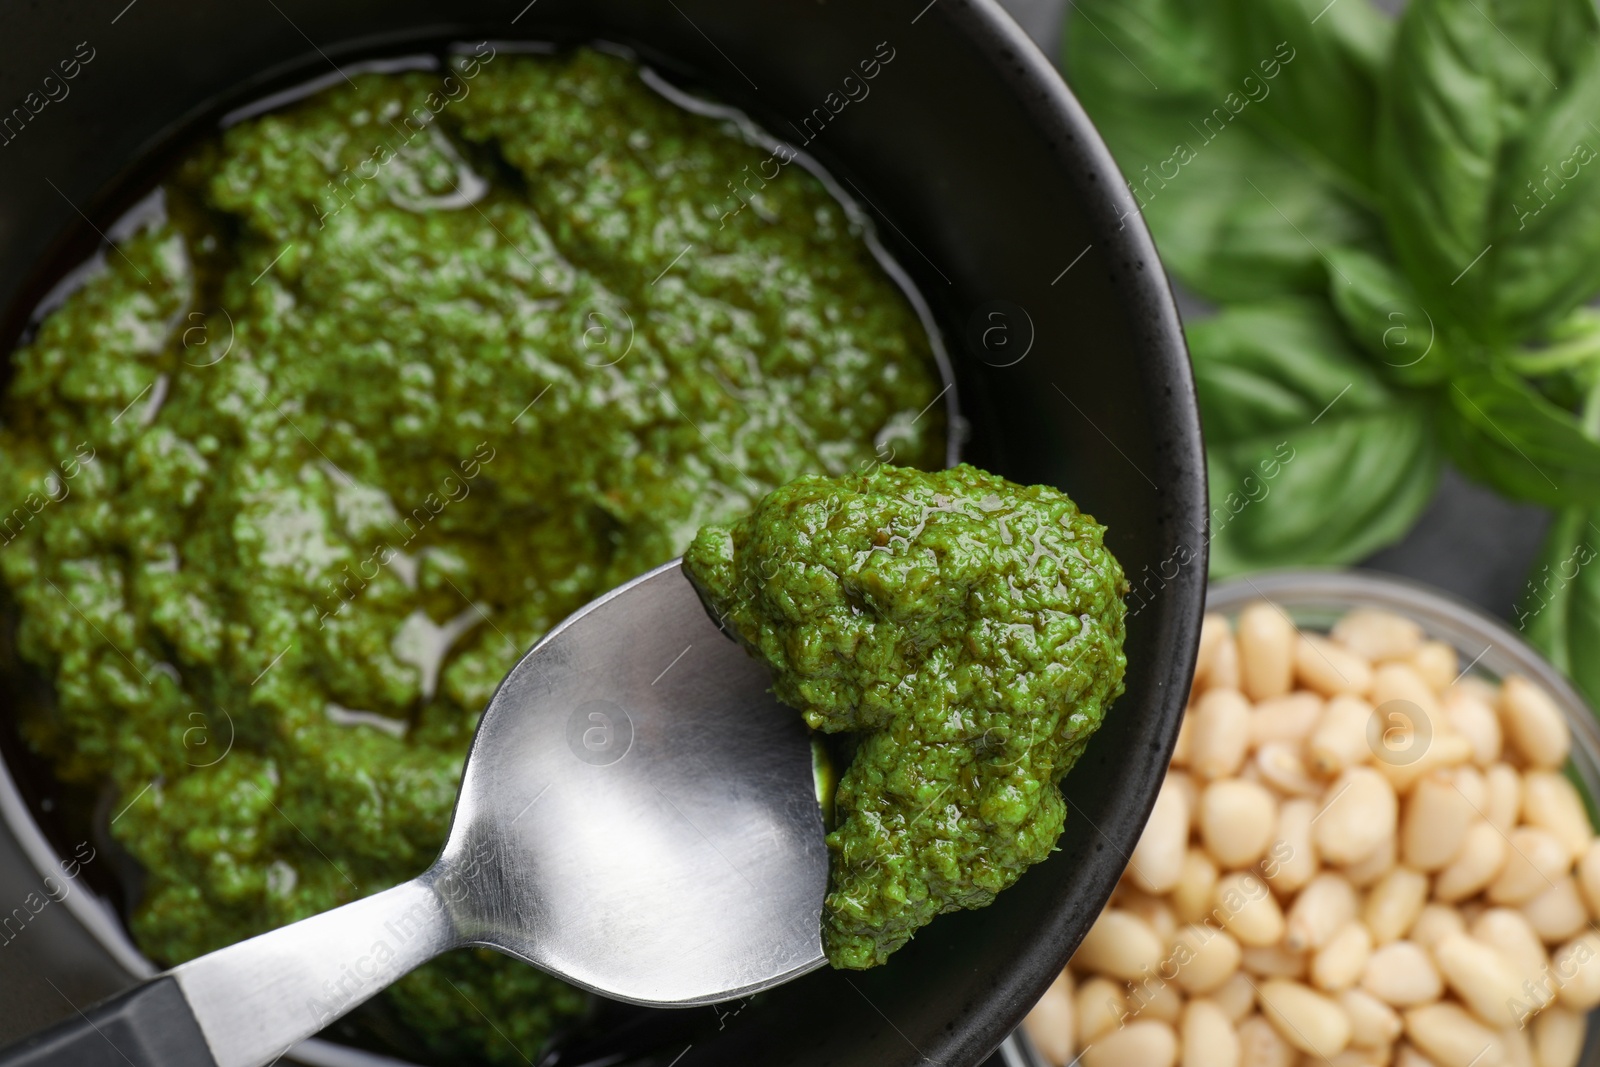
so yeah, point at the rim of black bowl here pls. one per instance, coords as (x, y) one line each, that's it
(988, 1014)
(1058, 113)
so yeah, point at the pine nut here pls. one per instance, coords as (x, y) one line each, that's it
(1154, 911)
(1287, 718)
(1481, 976)
(1100, 1006)
(1207, 1037)
(1558, 913)
(1551, 802)
(1433, 922)
(1589, 876)
(1452, 1038)
(1195, 892)
(1446, 749)
(1155, 999)
(1204, 957)
(1330, 669)
(1360, 811)
(1377, 634)
(1274, 961)
(1224, 673)
(1577, 968)
(1402, 974)
(1398, 681)
(1221, 734)
(1436, 663)
(1305, 1018)
(1373, 1024)
(1509, 934)
(1482, 856)
(1413, 737)
(1266, 651)
(1479, 686)
(1236, 997)
(1142, 1043)
(1435, 823)
(1535, 859)
(1160, 917)
(1236, 821)
(1477, 722)
(1394, 903)
(1049, 1024)
(1320, 911)
(1187, 788)
(1505, 796)
(1316, 833)
(1260, 1045)
(1157, 861)
(1279, 765)
(1340, 739)
(1294, 849)
(1533, 723)
(1213, 630)
(1185, 738)
(1471, 784)
(1558, 1038)
(1518, 1049)
(1118, 945)
(1339, 963)
(1247, 909)
(1406, 1055)
(1251, 773)
(1365, 872)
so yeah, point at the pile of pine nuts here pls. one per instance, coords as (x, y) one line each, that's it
(1357, 858)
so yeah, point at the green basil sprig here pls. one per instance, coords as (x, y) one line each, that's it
(1482, 99)
(1310, 453)
(1397, 216)
(1560, 608)
(1199, 125)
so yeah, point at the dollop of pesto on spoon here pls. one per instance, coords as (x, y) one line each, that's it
(967, 633)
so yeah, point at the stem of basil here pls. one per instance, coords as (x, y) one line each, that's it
(1557, 357)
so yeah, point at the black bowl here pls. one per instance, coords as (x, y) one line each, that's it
(987, 183)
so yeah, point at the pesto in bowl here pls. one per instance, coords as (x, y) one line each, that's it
(399, 376)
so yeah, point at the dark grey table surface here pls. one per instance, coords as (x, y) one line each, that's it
(1470, 541)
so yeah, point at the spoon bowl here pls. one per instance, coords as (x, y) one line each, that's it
(639, 813)
(638, 817)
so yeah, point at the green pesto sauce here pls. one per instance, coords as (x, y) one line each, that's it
(404, 375)
(967, 632)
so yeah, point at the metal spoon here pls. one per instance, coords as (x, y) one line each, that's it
(638, 817)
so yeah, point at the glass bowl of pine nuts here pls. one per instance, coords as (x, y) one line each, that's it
(1375, 845)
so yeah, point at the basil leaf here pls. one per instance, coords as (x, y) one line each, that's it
(1559, 610)
(1502, 432)
(1481, 96)
(1550, 262)
(1236, 215)
(1312, 457)
(1326, 103)
(1384, 316)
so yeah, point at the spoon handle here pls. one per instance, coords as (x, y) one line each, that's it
(256, 999)
(147, 1025)
(248, 1004)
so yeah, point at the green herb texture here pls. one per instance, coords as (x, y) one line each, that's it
(966, 634)
(1400, 221)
